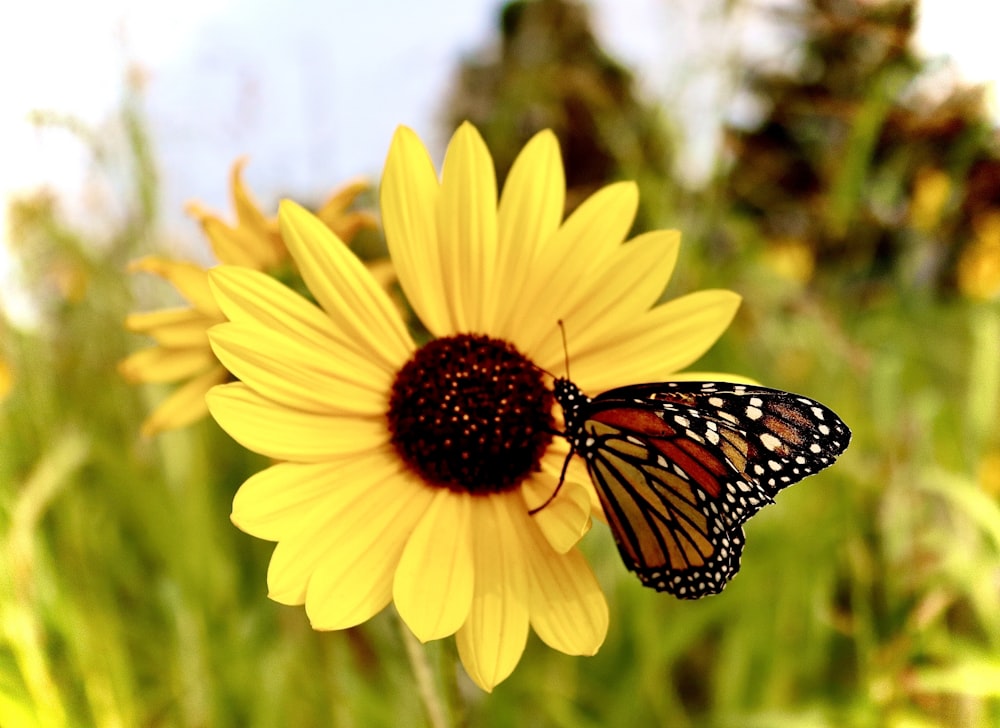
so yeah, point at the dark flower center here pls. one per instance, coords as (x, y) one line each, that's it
(470, 413)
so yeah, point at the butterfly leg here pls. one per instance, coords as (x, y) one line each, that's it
(562, 477)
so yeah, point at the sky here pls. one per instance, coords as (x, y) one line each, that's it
(312, 90)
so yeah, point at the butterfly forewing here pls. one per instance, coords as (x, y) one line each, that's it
(711, 452)
(679, 466)
(775, 437)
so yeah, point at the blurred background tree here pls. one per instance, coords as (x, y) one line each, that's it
(549, 72)
(880, 164)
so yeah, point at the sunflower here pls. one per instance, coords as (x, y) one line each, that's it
(408, 473)
(182, 351)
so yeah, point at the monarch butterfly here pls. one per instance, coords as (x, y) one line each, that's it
(680, 466)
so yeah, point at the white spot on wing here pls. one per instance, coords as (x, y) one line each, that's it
(769, 441)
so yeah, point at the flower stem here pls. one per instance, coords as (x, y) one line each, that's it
(415, 651)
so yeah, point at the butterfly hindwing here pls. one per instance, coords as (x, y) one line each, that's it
(665, 498)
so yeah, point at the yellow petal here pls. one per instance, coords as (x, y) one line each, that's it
(157, 364)
(309, 534)
(254, 240)
(293, 562)
(252, 298)
(280, 501)
(354, 581)
(666, 339)
(622, 292)
(432, 589)
(340, 199)
(185, 405)
(409, 197)
(189, 279)
(248, 211)
(239, 246)
(356, 304)
(577, 473)
(260, 425)
(173, 327)
(568, 609)
(531, 208)
(492, 640)
(563, 520)
(347, 226)
(467, 230)
(297, 376)
(584, 244)
(335, 214)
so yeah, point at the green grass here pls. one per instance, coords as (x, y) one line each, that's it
(868, 595)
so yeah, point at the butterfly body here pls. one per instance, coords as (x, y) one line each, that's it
(680, 466)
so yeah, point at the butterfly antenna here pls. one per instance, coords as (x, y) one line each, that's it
(543, 370)
(562, 330)
(562, 475)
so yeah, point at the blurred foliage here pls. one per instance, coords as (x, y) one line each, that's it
(869, 596)
(868, 156)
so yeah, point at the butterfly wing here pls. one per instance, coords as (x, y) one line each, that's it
(662, 502)
(680, 466)
(775, 438)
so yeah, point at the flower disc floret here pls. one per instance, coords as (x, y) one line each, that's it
(471, 413)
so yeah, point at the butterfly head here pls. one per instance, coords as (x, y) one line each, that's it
(572, 400)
